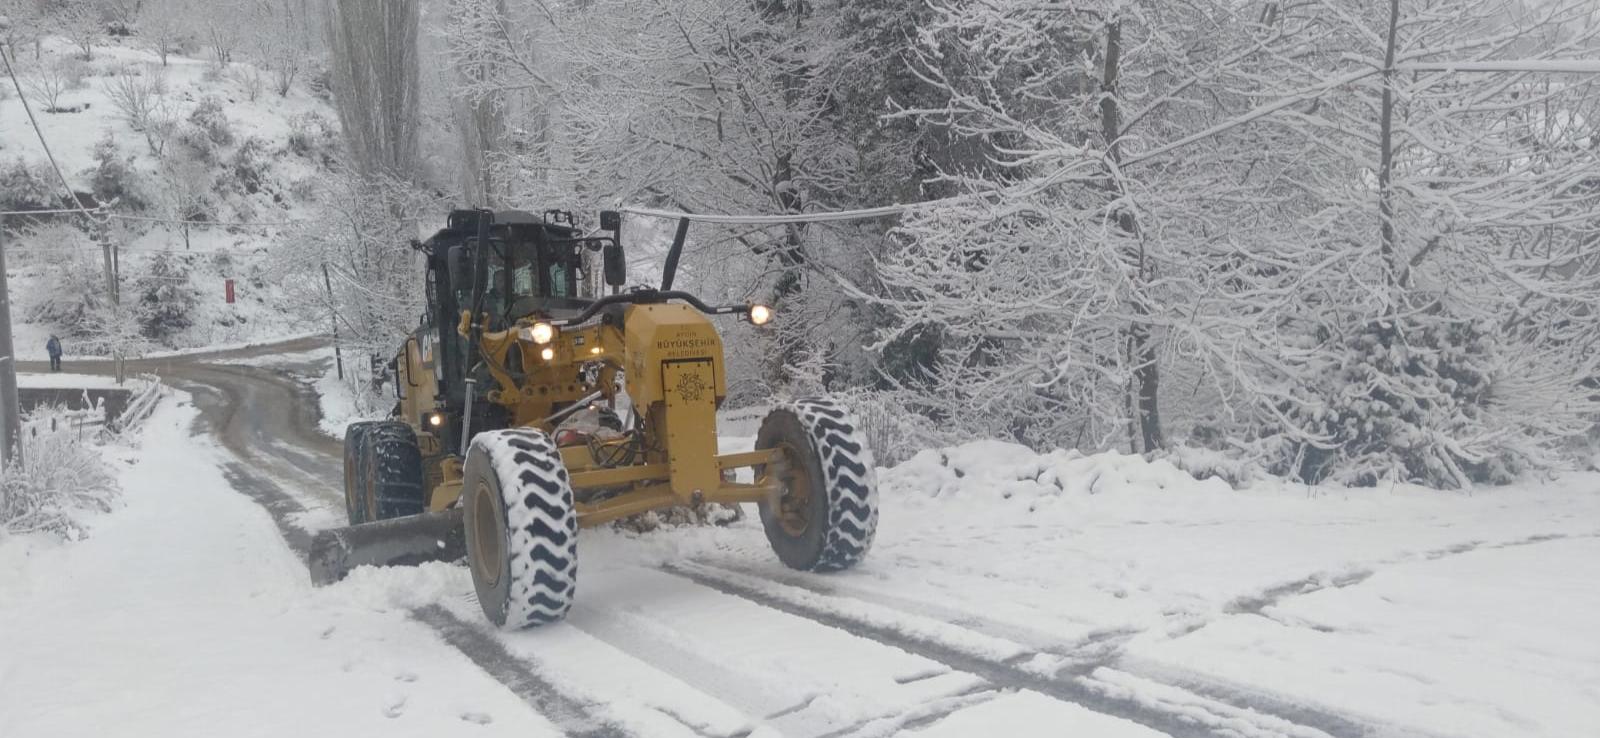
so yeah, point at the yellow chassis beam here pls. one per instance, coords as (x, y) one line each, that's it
(649, 485)
(652, 487)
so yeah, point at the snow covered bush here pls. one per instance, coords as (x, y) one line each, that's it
(247, 168)
(28, 185)
(1446, 402)
(209, 118)
(115, 179)
(62, 477)
(313, 136)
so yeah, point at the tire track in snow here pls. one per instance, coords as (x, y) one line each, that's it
(1256, 603)
(1089, 683)
(575, 718)
(832, 684)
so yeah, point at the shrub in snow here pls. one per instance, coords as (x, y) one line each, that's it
(1435, 400)
(897, 425)
(62, 477)
(247, 168)
(114, 176)
(166, 298)
(28, 185)
(312, 135)
(210, 120)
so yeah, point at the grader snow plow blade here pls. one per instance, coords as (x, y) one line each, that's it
(407, 541)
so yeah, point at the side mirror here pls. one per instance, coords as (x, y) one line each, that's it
(610, 220)
(616, 266)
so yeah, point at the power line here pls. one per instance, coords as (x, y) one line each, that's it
(72, 197)
(71, 211)
(35, 248)
(150, 219)
(210, 223)
(833, 216)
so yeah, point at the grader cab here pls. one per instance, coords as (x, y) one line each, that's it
(531, 405)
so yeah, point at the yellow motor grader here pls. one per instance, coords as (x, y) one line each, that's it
(530, 406)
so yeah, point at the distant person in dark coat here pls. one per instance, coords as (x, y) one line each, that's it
(53, 347)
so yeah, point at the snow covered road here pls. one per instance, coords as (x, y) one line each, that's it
(1009, 593)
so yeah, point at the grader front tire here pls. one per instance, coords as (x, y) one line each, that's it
(827, 514)
(521, 526)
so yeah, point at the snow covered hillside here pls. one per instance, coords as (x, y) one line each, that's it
(189, 140)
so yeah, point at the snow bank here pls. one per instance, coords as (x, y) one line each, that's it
(1011, 471)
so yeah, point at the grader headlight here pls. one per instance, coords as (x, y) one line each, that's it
(760, 314)
(540, 333)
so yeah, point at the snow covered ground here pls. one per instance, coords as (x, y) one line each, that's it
(1008, 592)
(185, 614)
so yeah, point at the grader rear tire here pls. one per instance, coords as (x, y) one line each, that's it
(355, 465)
(522, 528)
(827, 515)
(392, 471)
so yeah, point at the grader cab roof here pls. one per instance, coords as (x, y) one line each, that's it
(463, 224)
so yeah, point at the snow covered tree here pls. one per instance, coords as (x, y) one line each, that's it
(1457, 343)
(165, 298)
(81, 21)
(712, 106)
(218, 24)
(1051, 288)
(277, 42)
(375, 69)
(23, 24)
(363, 237)
(164, 23)
(1311, 240)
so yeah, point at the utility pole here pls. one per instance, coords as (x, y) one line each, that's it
(11, 438)
(333, 317)
(108, 251)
